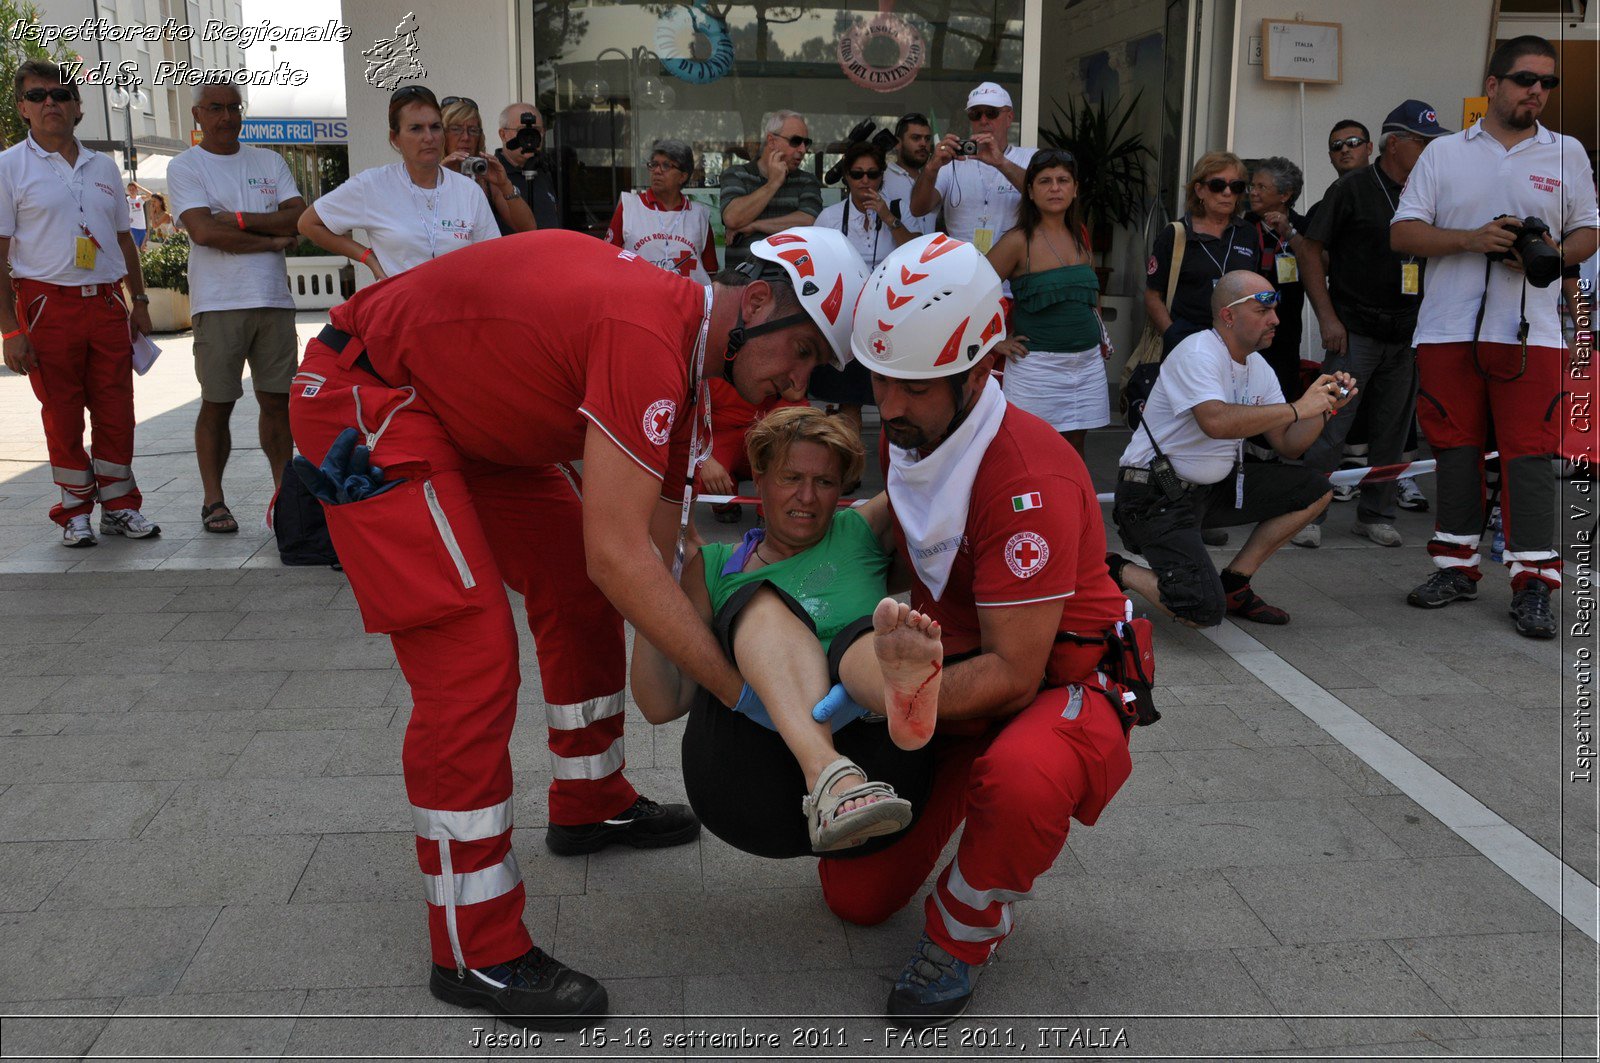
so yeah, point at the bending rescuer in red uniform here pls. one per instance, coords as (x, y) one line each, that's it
(471, 397)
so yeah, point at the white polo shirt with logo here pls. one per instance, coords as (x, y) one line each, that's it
(255, 181)
(40, 200)
(1462, 181)
(406, 225)
(976, 196)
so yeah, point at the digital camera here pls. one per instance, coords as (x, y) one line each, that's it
(1540, 262)
(967, 147)
(473, 166)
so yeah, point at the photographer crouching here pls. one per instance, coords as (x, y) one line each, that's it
(1482, 205)
(1184, 471)
(528, 166)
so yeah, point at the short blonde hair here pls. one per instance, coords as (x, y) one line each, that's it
(1210, 164)
(463, 113)
(769, 440)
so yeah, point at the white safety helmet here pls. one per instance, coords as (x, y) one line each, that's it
(931, 309)
(827, 274)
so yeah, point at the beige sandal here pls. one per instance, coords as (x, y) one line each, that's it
(831, 829)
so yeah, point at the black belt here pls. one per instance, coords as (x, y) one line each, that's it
(338, 339)
(1134, 474)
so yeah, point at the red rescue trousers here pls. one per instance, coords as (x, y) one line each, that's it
(1459, 394)
(1018, 787)
(428, 562)
(85, 350)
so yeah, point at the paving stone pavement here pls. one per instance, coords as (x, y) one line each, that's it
(205, 847)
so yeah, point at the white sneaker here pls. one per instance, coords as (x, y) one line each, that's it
(1411, 496)
(1309, 537)
(1382, 534)
(77, 532)
(129, 522)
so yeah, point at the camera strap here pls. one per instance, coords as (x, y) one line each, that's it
(1522, 327)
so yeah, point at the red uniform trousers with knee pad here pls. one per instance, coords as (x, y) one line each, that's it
(428, 562)
(1458, 396)
(85, 354)
(1018, 787)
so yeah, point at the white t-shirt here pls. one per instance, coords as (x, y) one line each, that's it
(897, 185)
(1461, 182)
(976, 196)
(1199, 369)
(871, 238)
(407, 225)
(43, 205)
(136, 212)
(255, 180)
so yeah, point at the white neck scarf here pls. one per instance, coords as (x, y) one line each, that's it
(931, 494)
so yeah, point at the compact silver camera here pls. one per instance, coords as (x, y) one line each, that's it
(473, 166)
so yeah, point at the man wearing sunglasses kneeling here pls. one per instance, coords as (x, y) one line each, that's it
(1184, 470)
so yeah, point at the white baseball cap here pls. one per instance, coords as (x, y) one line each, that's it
(988, 95)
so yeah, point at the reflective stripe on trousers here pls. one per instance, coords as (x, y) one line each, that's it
(449, 889)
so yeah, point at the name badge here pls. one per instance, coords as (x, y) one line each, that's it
(1288, 270)
(983, 239)
(1410, 278)
(84, 256)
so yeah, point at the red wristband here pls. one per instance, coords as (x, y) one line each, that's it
(240, 215)
(364, 256)
(11, 335)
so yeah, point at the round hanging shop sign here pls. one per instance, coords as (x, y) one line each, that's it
(911, 53)
(675, 33)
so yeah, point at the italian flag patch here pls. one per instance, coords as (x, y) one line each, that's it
(1031, 500)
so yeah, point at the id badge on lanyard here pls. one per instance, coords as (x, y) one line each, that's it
(1410, 278)
(86, 251)
(1288, 269)
(699, 395)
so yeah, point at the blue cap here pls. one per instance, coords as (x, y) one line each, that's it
(1414, 116)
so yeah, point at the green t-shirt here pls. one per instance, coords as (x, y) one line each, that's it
(838, 581)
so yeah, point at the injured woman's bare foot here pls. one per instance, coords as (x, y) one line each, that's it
(911, 656)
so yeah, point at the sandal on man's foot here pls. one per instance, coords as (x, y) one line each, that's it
(217, 517)
(832, 830)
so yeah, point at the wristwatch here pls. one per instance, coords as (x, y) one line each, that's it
(141, 298)
(513, 194)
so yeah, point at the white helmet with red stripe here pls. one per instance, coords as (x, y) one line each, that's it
(827, 274)
(931, 309)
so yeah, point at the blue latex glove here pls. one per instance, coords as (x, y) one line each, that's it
(837, 708)
(750, 705)
(347, 473)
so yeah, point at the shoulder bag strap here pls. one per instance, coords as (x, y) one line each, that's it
(1180, 240)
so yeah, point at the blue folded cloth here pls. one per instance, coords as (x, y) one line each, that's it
(347, 473)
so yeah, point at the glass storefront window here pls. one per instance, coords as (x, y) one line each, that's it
(612, 76)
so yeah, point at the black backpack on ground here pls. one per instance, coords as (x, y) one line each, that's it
(299, 524)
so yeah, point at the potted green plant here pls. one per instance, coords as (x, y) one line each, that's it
(1113, 179)
(165, 264)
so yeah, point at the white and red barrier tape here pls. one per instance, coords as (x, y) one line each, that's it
(1342, 478)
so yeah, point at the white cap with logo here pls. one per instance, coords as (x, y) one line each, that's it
(988, 94)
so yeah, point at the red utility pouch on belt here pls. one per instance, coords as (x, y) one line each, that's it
(403, 557)
(1132, 662)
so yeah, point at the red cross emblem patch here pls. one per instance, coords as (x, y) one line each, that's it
(658, 420)
(1026, 554)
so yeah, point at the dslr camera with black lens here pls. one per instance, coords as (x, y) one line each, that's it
(1540, 262)
(528, 141)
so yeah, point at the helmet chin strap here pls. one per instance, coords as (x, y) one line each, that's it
(740, 334)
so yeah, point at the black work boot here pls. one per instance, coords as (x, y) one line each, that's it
(1446, 585)
(1530, 611)
(534, 991)
(645, 825)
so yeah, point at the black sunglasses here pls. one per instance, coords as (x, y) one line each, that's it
(1347, 142)
(60, 95)
(975, 113)
(468, 100)
(1528, 80)
(1054, 157)
(420, 92)
(871, 175)
(796, 141)
(1218, 186)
